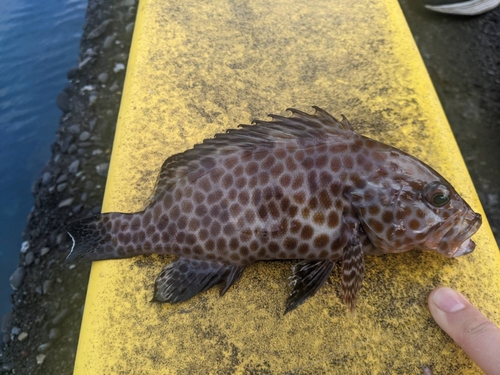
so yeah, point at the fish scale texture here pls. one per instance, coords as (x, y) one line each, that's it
(197, 69)
(301, 187)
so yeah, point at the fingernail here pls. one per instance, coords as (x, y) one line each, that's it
(447, 300)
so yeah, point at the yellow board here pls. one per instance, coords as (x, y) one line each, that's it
(199, 67)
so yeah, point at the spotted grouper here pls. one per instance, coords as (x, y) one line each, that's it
(305, 187)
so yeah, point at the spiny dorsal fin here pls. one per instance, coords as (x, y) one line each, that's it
(320, 124)
(263, 134)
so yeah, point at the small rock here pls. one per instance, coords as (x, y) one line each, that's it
(54, 333)
(108, 42)
(38, 290)
(121, 57)
(97, 151)
(103, 77)
(66, 143)
(30, 257)
(44, 251)
(40, 358)
(102, 169)
(493, 199)
(67, 202)
(114, 87)
(8, 366)
(74, 129)
(73, 167)
(15, 331)
(62, 101)
(71, 73)
(62, 178)
(72, 149)
(99, 30)
(47, 285)
(62, 187)
(16, 279)
(25, 246)
(84, 62)
(46, 178)
(92, 123)
(84, 196)
(60, 317)
(96, 210)
(42, 348)
(22, 336)
(77, 208)
(92, 99)
(91, 52)
(60, 238)
(119, 67)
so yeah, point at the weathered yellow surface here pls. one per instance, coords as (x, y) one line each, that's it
(199, 67)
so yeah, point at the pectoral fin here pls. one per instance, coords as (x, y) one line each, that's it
(184, 278)
(353, 271)
(307, 278)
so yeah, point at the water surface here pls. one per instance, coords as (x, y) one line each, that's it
(39, 42)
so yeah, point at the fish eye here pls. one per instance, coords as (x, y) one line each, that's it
(440, 200)
(437, 194)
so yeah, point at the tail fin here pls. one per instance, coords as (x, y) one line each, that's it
(89, 239)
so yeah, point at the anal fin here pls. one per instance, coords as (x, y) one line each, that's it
(307, 278)
(185, 278)
(233, 275)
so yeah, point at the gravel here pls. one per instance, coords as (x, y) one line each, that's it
(62, 101)
(41, 332)
(103, 77)
(16, 279)
(73, 167)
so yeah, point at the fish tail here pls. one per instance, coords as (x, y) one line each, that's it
(89, 238)
(115, 235)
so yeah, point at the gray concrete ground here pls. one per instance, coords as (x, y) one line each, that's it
(462, 55)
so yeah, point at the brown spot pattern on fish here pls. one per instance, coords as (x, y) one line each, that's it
(302, 187)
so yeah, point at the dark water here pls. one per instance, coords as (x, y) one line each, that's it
(38, 43)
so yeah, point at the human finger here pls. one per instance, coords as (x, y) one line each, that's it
(468, 327)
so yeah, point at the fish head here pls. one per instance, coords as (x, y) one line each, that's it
(452, 221)
(411, 206)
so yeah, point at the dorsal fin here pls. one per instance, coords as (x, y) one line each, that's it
(320, 124)
(317, 126)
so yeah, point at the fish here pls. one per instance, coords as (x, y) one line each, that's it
(305, 187)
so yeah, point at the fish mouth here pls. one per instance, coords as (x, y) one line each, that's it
(453, 245)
